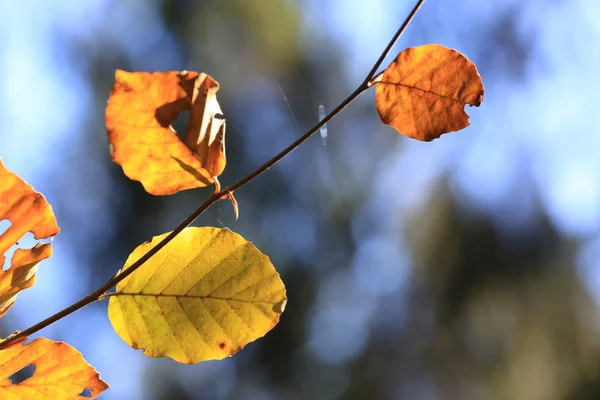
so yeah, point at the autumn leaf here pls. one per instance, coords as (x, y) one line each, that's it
(424, 90)
(28, 211)
(139, 113)
(60, 372)
(204, 296)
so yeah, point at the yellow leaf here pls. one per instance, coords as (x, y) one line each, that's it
(28, 211)
(139, 113)
(60, 372)
(204, 296)
(424, 90)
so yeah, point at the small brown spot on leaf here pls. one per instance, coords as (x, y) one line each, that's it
(221, 345)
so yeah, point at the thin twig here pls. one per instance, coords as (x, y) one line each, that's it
(100, 293)
(398, 33)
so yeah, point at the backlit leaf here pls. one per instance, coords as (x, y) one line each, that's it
(424, 90)
(28, 211)
(204, 296)
(60, 372)
(139, 113)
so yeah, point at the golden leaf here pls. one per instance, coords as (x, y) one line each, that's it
(204, 296)
(424, 90)
(28, 211)
(60, 372)
(139, 113)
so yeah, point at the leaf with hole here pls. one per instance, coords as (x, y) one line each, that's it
(139, 113)
(60, 372)
(425, 89)
(28, 211)
(204, 296)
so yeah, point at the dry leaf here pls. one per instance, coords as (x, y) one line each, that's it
(60, 372)
(139, 113)
(424, 90)
(204, 296)
(28, 211)
(206, 132)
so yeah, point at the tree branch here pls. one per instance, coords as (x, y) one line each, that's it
(100, 293)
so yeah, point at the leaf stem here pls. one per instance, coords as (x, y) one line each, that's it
(101, 292)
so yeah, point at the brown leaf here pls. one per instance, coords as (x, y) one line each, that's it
(60, 372)
(424, 90)
(28, 211)
(139, 113)
(206, 132)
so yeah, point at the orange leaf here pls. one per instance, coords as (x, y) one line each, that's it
(28, 211)
(139, 113)
(60, 372)
(424, 90)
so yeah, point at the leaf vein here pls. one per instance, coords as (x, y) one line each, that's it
(187, 296)
(241, 271)
(422, 90)
(217, 322)
(193, 322)
(139, 310)
(192, 261)
(241, 319)
(162, 314)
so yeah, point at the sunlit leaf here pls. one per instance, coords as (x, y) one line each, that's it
(203, 296)
(424, 90)
(28, 211)
(139, 113)
(60, 372)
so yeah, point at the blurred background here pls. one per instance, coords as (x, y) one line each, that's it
(466, 268)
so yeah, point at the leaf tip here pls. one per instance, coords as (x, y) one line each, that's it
(479, 100)
(279, 307)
